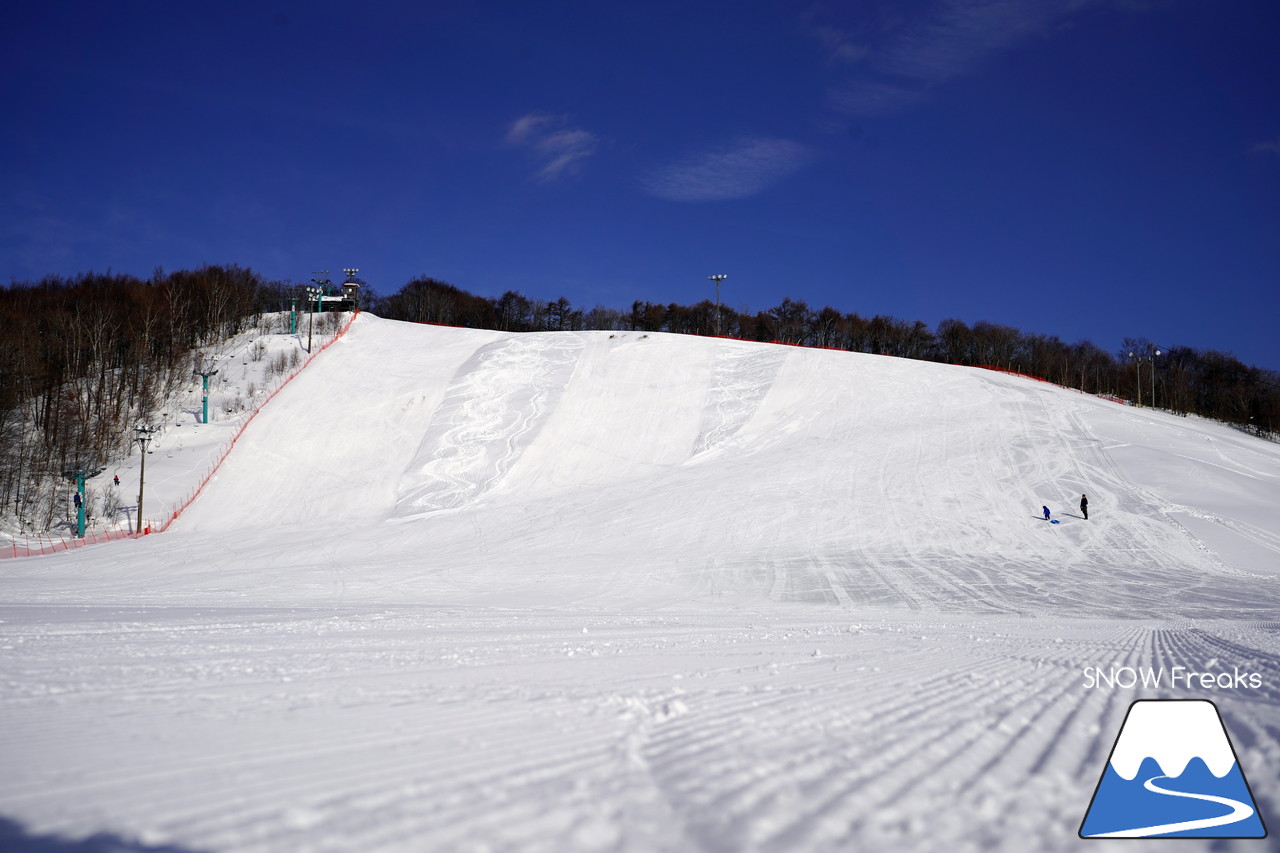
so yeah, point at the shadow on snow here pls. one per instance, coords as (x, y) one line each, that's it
(14, 838)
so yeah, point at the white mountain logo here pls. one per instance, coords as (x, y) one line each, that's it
(1173, 774)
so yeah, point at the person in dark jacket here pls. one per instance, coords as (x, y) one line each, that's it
(1046, 513)
(1084, 506)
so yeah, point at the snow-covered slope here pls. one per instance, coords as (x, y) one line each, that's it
(461, 589)
(449, 464)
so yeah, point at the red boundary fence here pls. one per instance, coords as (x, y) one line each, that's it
(1119, 400)
(40, 545)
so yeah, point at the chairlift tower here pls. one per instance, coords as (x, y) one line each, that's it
(78, 474)
(204, 371)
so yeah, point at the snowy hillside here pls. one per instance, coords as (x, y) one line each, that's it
(245, 371)
(461, 589)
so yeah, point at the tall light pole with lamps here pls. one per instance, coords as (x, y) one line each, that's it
(1150, 358)
(143, 435)
(717, 278)
(321, 281)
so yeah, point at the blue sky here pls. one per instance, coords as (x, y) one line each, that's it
(1080, 168)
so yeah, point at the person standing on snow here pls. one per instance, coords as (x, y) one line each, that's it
(1046, 513)
(1084, 506)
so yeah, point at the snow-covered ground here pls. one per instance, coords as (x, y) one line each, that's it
(468, 590)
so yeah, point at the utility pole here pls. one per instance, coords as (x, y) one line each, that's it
(143, 435)
(717, 278)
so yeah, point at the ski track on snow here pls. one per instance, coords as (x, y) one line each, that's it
(410, 729)
(477, 433)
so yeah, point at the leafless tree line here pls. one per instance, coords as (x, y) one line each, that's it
(84, 359)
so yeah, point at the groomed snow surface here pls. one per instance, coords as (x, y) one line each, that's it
(469, 590)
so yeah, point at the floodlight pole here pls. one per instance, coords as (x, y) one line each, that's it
(143, 435)
(351, 279)
(321, 280)
(311, 317)
(1150, 359)
(1137, 364)
(717, 278)
(1153, 376)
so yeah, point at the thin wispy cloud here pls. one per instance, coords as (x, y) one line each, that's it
(523, 128)
(959, 35)
(839, 45)
(870, 98)
(1272, 147)
(740, 170)
(558, 150)
(949, 39)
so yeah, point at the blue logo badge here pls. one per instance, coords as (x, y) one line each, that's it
(1172, 774)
